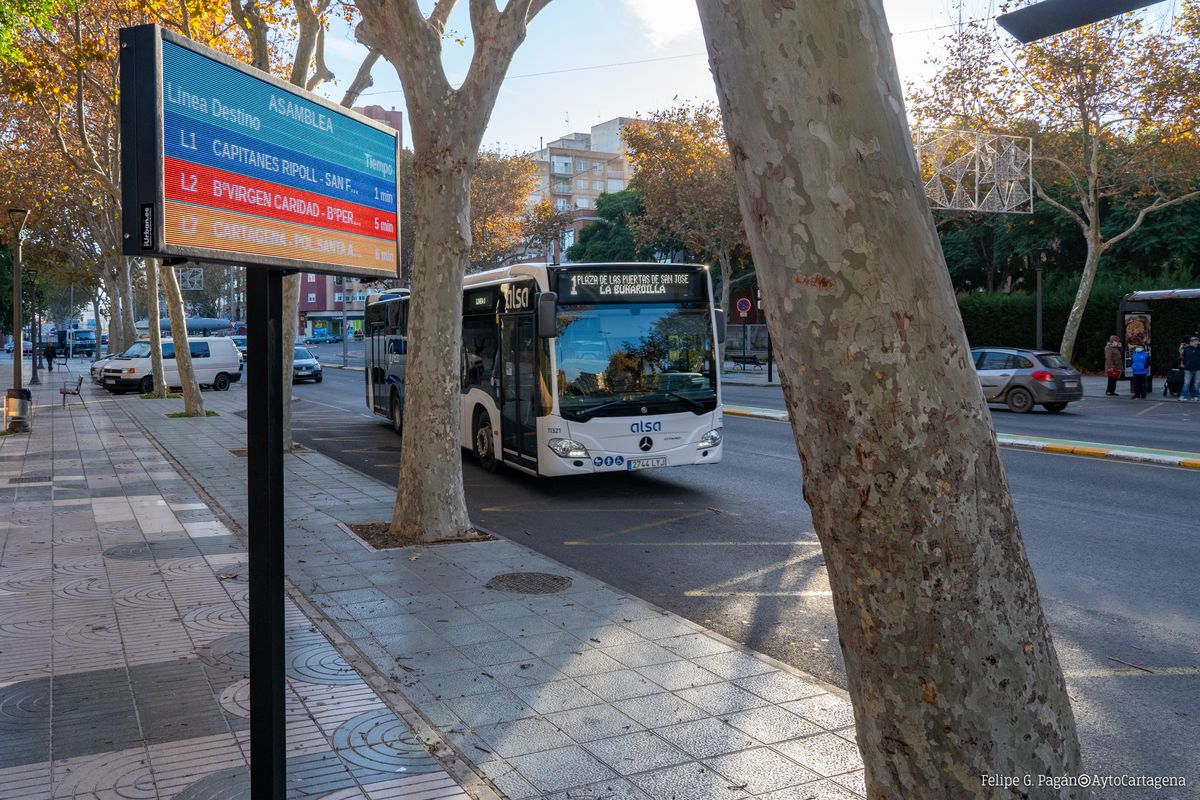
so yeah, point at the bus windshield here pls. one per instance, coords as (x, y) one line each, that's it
(616, 359)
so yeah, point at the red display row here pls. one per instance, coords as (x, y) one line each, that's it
(196, 184)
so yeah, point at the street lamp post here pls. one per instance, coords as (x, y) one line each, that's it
(16, 397)
(35, 330)
(1041, 264)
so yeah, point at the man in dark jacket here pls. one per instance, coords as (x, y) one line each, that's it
(49, 353)
(1191, 371)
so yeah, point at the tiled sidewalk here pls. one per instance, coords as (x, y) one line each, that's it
(583, 693)
(123, 645)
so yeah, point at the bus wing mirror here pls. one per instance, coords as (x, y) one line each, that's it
(547, 314)
(720, 312)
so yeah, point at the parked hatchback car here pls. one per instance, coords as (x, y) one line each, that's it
(305, 366)
(1022, 379)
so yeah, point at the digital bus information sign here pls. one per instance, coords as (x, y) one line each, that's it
(631, 285)
(223, 163)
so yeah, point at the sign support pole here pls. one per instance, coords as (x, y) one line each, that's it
(264, 486)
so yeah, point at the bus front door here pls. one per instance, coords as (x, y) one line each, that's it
(518, 423)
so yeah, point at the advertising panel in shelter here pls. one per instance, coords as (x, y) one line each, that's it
(224, 163)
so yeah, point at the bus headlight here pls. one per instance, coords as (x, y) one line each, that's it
(709, 440)
(567, 448)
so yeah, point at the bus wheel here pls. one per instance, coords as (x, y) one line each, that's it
(485, 450)
(397, 414)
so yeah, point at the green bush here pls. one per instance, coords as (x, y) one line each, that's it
(1009, 320)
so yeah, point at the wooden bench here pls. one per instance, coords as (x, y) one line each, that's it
(66, 390)
(745, 362)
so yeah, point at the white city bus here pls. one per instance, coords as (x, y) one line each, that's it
(569, 370)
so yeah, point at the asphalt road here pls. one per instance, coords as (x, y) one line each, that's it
(1113, 546)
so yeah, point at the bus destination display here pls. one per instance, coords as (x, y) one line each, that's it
(630, 286)
(255, 171)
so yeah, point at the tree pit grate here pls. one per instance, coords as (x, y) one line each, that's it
(529, 582)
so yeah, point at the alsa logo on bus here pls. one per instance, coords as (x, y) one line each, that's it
(516, 298)
(645, 426)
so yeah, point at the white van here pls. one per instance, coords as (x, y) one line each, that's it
(215, 360)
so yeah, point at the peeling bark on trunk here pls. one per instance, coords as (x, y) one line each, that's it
(154, 316)
(193, 403)
(125, 286)
(1090, 266)
(116, 341)
(726, 277)
(950, 664)
(429, 502)
(291, 320)
(96, 354)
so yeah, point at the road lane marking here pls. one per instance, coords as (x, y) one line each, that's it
(811, 593)
(578, 543)
(708, 591)
(642, 527)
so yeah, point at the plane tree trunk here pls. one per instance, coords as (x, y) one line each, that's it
(193, 403)
(447, 127)
(125, 287)
(156, 361)
(949, 661)
(430, 495)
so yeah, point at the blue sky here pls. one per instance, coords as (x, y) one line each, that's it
(558, 81)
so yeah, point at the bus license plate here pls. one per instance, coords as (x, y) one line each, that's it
(645, 463)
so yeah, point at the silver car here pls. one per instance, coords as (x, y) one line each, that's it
(305, 366)
(1022, 379)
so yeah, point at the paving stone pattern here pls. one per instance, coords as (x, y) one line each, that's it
(584, 693)
(123, 643)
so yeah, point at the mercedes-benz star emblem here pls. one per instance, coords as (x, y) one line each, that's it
(645, 410)
(645, 444)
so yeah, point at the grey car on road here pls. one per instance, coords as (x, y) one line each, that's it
(1022, 379)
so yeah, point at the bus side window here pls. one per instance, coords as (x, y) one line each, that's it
(397, 346)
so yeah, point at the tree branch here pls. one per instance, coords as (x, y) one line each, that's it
(362, 79)
(1083, 226)
(321, 72)
(440, 15)
(1141, 217)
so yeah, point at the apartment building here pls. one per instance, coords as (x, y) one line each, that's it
(575, 169)
(322, 298)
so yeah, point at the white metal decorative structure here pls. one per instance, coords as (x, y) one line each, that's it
(976, 171)
(191, 279)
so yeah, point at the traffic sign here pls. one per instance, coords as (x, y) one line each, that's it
(743, 305)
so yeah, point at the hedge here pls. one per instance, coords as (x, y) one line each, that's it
(1009, 320)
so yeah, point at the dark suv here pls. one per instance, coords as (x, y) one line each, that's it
(1022, 379)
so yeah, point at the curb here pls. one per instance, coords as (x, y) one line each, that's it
(755, 413)
(1109, 452)
(339, 366)
(1089, 449)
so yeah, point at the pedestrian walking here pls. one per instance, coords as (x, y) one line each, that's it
(1114, 364)
(49, 353)
(1191, 371)
(1139, 366)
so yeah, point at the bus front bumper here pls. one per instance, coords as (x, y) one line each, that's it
(599, 461)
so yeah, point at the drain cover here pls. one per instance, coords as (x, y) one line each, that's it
(31, 479)
(529, 582)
